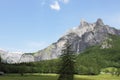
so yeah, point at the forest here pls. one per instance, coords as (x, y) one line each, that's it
(92, 61)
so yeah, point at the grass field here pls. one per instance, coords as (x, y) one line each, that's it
(54, 77)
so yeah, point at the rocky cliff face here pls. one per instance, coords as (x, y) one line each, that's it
(81, 37)
(10, 57)
(26, 57)
(15, 57)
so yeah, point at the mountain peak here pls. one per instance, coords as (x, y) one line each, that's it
(83, 23)
(99, 22)
(85, 35)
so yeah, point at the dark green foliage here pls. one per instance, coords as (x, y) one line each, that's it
(118, 72)
(67, 64)
(91, 61)
(0, 60)
(0, 63)
(23, 69)
(47, 66)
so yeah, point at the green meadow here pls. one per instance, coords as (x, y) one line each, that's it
(55, 76)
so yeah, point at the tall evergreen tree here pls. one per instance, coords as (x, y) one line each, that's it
(0, 59)
(67, 63)
(0, 63)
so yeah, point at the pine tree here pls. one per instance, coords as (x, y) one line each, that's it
(67, 64)
(0, 59)
(0, 63)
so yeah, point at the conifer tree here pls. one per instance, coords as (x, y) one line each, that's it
(0, 63)
(67, 63)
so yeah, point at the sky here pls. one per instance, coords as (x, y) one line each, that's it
(32, 25)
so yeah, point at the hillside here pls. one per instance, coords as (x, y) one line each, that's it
(81, 37)
(95, 58)
(91, 61)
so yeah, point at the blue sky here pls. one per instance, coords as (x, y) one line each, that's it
(31, 25)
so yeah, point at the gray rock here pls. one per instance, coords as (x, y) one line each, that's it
(1, 73)
(15, 57)
(99, 22)
(26, 58)
(10, 57)
(81, 37)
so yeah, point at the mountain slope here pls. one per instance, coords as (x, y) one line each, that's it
(15, 57)
(81, 37)
(93, 59)
(10, 57)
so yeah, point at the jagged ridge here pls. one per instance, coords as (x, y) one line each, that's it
(81, 37)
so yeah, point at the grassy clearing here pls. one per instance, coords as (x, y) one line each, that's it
(97, 77)
(55, 76)
(27, 77)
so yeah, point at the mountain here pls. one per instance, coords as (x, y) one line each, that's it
(15, 57)
(81, 37)
(92, 61)
(10, 57)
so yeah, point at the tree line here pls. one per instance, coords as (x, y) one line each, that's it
(89, 62)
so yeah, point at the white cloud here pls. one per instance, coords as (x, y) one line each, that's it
(55, 6)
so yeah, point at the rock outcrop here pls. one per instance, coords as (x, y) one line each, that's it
(15, 57)
(81, 37)
(10, 57)
(26, 57)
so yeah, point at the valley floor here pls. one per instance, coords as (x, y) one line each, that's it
(55, 76)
